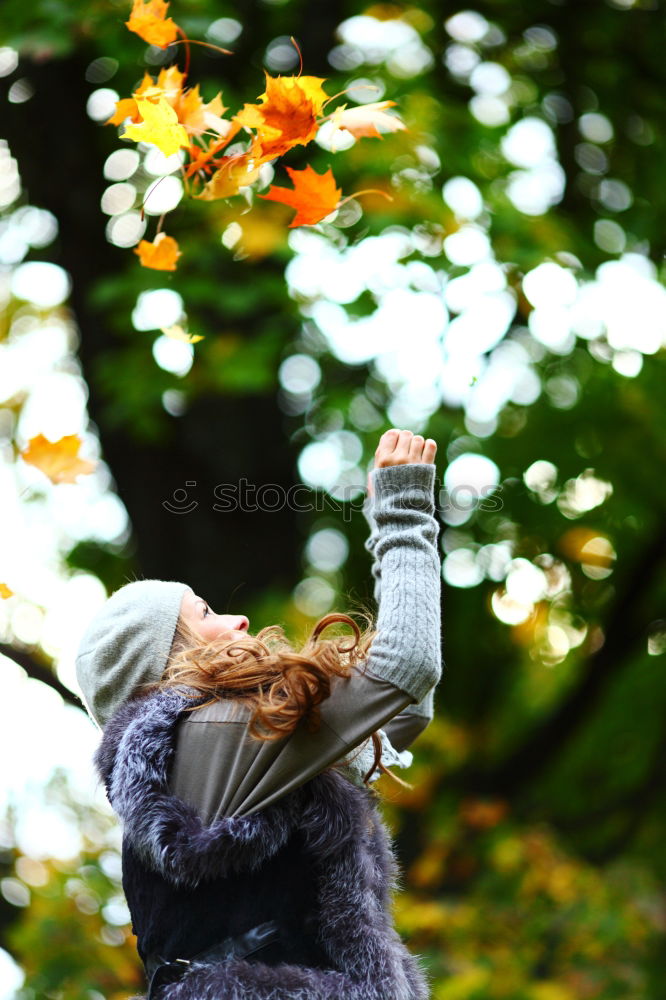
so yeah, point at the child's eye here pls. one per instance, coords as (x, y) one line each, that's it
(206, 611)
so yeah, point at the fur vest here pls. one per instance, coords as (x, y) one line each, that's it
(343, 845)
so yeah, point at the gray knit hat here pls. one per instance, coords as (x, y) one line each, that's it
(127, 644)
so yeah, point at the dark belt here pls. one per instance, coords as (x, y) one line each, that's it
(160, 971)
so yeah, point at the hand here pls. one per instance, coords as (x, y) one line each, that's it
(398, 447)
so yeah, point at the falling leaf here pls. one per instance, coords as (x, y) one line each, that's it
(161, 254)
(159, 123)
(170, 81)
(5, 591)
(235, 171)
(198, 117)
(149, 21)
(207, 160)
(311, 85)
(177, 333)
(363, 120)
(59, 460)
(126, 107)
(287, 116)
(314, 195)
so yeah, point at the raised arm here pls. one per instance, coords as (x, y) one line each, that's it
(406, 564)
(403, 728)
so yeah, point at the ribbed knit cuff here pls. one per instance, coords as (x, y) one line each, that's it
(408, 487)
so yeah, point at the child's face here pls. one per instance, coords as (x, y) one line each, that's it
(203, 619)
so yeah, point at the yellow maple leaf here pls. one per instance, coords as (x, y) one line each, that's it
(59, 460)
(314, 195)
(160, 255)
(149, 21)
(159, 124)
(176, 332)
(287, 116)
(5, 591)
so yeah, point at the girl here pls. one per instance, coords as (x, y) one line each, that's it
(256, 865)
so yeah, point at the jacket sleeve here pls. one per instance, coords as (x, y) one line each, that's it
(221, 770)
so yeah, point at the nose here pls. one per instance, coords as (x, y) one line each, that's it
(243, 624)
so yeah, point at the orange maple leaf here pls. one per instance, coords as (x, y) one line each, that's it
(310, 85)
(287, 116)
(149, 21)
(5, 591)
(314, 195)
(127, 107)
(59, 460)
(161, 254)
(198, 117)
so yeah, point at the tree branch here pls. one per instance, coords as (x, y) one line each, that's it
(39, 672)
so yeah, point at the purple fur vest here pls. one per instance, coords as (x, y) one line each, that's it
(343, 846)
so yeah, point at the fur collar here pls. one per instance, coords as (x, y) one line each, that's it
(133, 759)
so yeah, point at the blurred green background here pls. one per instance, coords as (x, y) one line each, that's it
(509, 301)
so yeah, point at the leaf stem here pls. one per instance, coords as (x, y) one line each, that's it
(300, 54)
(365, 191)
(194, 41)
(362, 86)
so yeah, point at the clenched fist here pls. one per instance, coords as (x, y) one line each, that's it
(398, 447)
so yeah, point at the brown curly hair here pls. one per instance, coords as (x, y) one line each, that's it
(279, 684)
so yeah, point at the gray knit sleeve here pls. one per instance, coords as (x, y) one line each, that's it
(405, 727)
(406, 568)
